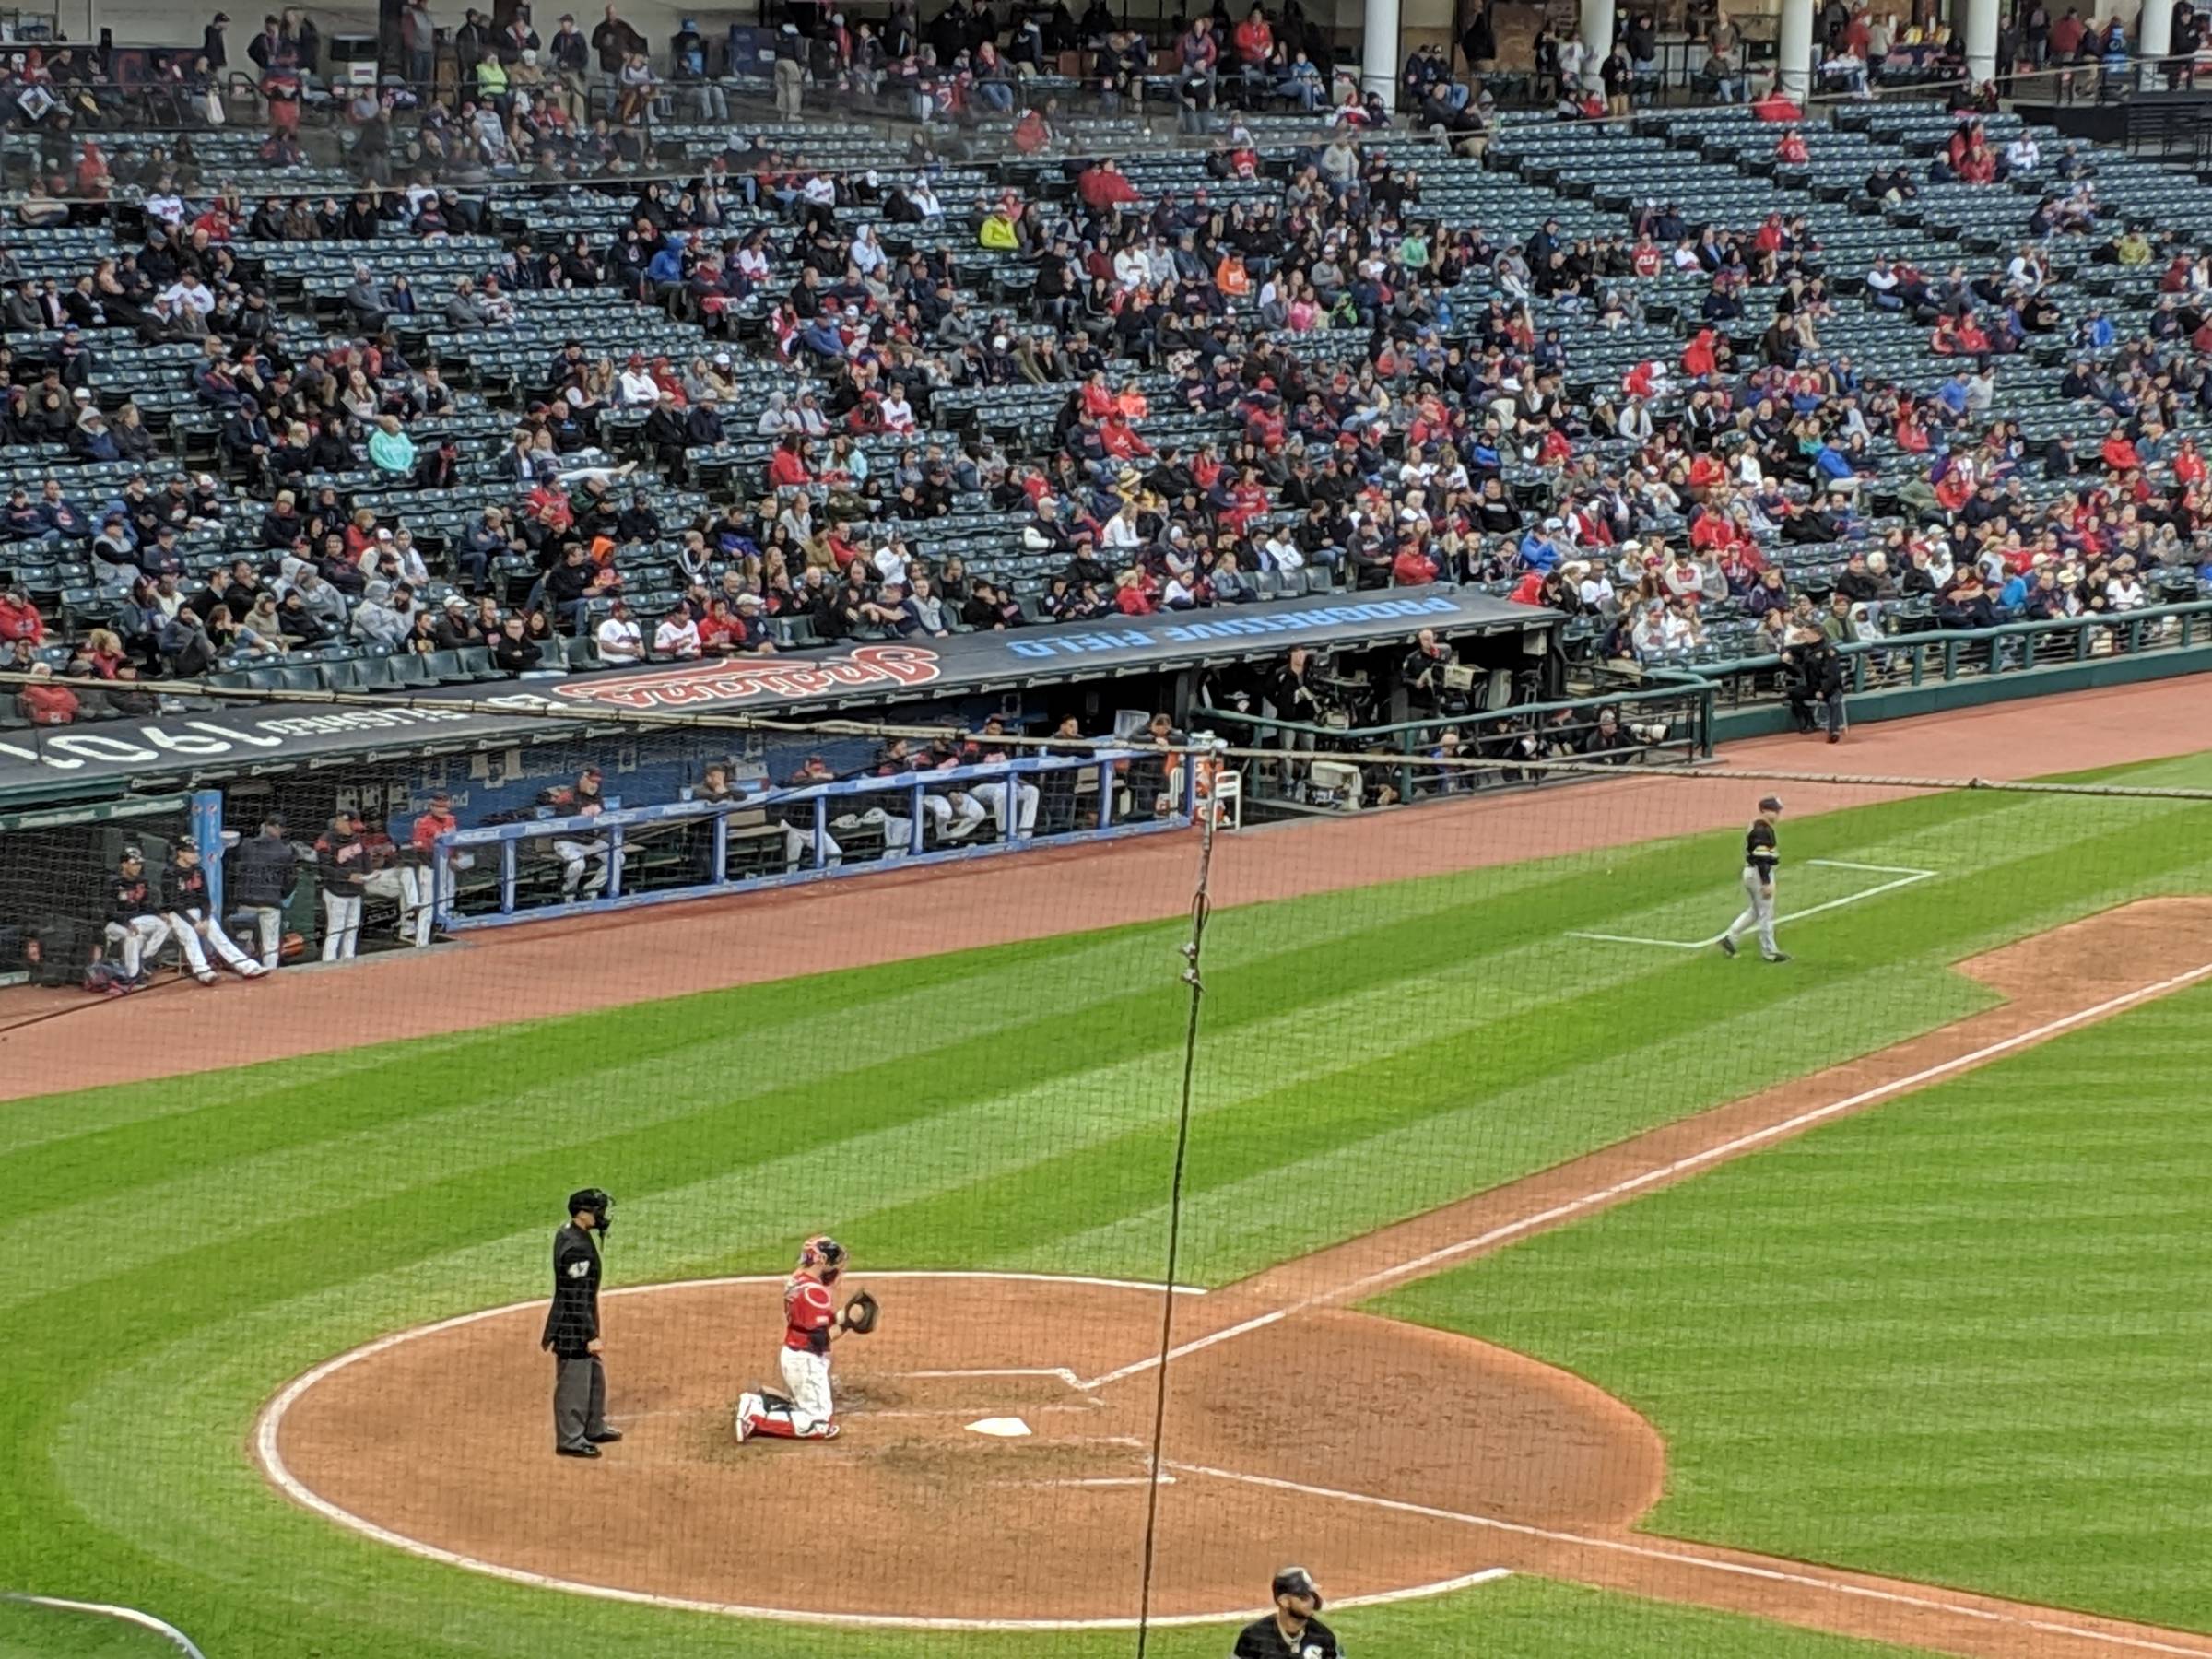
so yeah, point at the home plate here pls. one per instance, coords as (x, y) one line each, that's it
(1000, 1428)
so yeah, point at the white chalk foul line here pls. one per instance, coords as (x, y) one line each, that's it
(1905, 877)
(1657, 1552)
(1183, 1349)
(1421, 1265)
(132, 1616)
(1061, 1372)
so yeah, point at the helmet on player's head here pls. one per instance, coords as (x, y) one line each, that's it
(825, 1256)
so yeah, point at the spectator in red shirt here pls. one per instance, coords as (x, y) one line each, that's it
(1130, 597)
(787, 467)
(2118, 451)
(1412, 567)
(46, 701)
(1105, 186)
(1775, 106)
(1791, 151)
(20, 619)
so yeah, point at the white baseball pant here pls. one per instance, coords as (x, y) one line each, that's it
(897, 832)
(341, 925)
(811, 1413)
(137, 937)
(798, 847)
(197, 936)
(269, 922)
(994, 795)
(945, 809)
(575, 856)
(1759, 914)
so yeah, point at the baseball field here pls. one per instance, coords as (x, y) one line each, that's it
(1552, 1285)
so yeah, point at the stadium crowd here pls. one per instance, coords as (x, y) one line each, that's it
(1401, 463)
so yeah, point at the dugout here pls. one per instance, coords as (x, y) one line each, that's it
(502, 747)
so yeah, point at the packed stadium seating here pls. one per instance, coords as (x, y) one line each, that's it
(1708, 166)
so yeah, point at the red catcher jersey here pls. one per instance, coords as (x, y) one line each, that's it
(807, 1313)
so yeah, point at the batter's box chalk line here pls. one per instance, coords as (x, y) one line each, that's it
(1901, 876)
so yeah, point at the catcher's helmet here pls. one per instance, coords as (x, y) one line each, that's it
(825, 1256)
(599, 1206)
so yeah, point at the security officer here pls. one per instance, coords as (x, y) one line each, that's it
(1290, 1631)
(580, 1426)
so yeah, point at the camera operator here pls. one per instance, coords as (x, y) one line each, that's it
(1290, 693)
(1426, 673)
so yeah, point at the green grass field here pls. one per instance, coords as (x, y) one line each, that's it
(180, 1249)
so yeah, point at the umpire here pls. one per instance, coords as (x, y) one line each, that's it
(1290, 1631)
(580, 1426)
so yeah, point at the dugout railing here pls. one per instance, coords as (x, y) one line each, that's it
(540, 869)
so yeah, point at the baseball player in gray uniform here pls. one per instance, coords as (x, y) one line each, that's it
(1761, 855)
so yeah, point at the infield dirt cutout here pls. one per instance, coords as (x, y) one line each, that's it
(1394, 1460)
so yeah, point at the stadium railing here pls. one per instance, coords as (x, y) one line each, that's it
(498, 874)
(1667, 720)
(2178, 633)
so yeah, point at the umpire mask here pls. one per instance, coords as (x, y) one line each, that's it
(597, 1204)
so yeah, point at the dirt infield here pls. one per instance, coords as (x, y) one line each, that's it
(415, 1438)
(936, 1523)
(52, 1041)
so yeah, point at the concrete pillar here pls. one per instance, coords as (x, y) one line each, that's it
(1794, 51)
(2157, 35)
(1379, 52)
(1979, 36)
(1597, 33)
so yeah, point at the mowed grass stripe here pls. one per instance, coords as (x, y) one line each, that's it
(2002, 1396)
(294, 1103)
(1246, 1211)
(677, 1101)
(911, 994)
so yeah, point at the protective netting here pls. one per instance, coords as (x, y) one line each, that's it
(1547, 1279)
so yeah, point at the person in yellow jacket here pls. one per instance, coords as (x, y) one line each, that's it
(491, 79)
(999, 232)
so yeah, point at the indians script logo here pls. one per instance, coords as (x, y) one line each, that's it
(760, 677)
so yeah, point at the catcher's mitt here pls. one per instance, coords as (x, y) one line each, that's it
(860, 1314)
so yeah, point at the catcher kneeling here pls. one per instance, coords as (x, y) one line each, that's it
(811, 1322)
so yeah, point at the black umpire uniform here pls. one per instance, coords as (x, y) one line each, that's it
(1291, 1632)
(572, 1330)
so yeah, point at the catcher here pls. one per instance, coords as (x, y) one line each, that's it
(811, 1322)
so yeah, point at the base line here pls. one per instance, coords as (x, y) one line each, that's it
(1421, 1265)
(1182, 1349)
(1905, 878)
(1652, 1552)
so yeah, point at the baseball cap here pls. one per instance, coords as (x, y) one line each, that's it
(1297, 1581)
(1771, 804)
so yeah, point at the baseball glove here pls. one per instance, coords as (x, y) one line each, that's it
(860, 1314)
